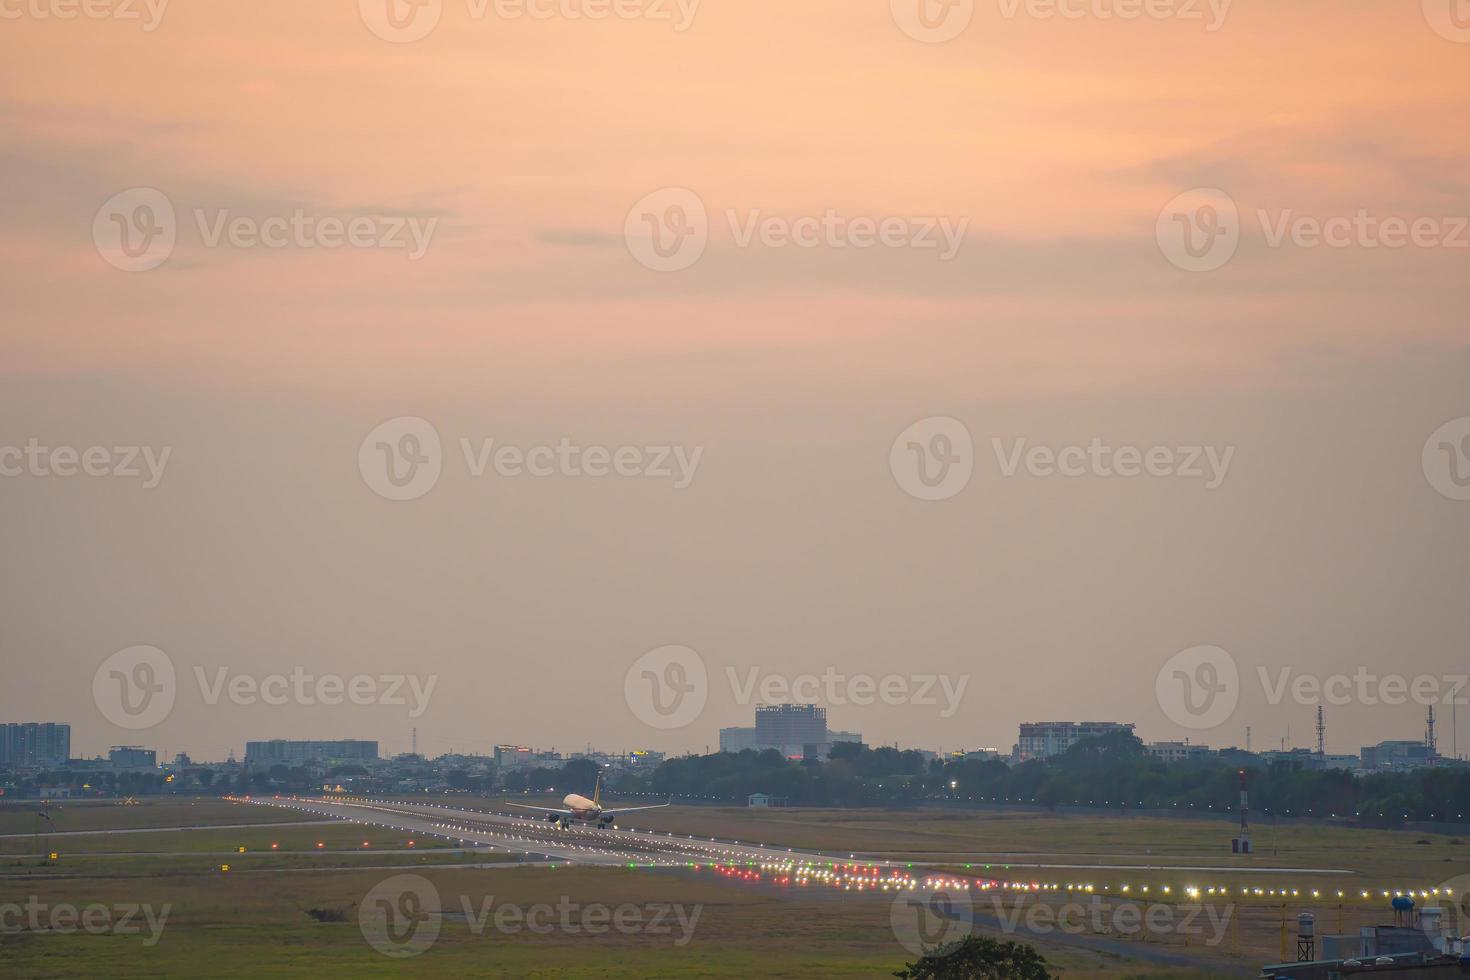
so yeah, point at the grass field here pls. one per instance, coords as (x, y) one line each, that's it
(291, 914)
(246, 926)
(16, 818)
(1378, 858)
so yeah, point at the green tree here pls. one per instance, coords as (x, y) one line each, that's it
(977, 958)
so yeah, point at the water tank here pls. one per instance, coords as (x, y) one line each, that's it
(1306, 926)
(1403, 903)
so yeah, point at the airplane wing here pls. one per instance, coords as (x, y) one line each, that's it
(629, 809)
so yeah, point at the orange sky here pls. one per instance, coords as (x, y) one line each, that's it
(527, 141)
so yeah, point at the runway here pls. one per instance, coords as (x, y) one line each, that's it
(541, 840)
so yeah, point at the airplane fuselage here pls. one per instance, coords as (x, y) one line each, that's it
(580, 807)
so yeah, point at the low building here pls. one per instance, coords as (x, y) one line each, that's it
(125, 757)
(1044, 739)
(1171, 752)
(298, 752)
(1397, 755)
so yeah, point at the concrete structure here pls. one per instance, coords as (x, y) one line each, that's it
(764, 799)
(797, 731)
(1397, 755)
(34, 744)
(737, 739)
(1177, 751)
(512, 757)
(292, 752)
(790, 724)
(1044, 739)
(132, 757)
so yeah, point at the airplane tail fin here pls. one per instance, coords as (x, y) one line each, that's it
(597, 790)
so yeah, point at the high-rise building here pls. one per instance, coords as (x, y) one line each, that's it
(1044, 739)
(291, 752)
(794, 730)
(34, 744)
(790, 724)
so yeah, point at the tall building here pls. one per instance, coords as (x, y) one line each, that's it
(34, 744)
(289, 752)
(790, 724)
(132, 757)
(794, 730)
(1044, 739)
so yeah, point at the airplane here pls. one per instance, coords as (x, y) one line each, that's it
(590, 811)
